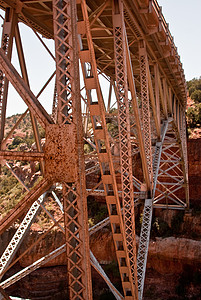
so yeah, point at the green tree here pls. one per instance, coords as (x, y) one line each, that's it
(194, 116)
(196, 96)
(194, 88)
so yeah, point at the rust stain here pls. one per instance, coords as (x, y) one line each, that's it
(60, 153)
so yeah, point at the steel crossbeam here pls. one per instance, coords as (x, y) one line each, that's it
(21, 87)
(6, 283)
(15, 242)
(24, 204)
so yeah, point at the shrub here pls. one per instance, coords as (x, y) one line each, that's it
(160, 228)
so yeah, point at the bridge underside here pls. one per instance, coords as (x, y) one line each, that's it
(120, 87)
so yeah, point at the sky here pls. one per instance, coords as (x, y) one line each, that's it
(184, 21)
(40, 66)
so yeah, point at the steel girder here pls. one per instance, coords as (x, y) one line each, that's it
(124, 135)
(108, 39)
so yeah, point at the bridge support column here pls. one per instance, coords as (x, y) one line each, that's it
(68, 131)
(124, 135)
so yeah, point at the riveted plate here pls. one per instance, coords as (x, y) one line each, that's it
(60, 153)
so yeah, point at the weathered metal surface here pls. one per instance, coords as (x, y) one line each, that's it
(60, 153)
(69, 146)
(19, 155)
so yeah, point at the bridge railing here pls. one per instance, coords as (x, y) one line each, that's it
(165, 26)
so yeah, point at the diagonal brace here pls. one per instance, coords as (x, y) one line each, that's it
(23, 90)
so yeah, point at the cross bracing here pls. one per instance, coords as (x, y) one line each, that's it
(129, 44)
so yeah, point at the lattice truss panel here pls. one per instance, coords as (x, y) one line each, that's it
(142, 160)
(124, 135)
(145, 105)
(171, 176)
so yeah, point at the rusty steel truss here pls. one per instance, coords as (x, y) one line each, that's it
(122, 49)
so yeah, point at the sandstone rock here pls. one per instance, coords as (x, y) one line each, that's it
(171, 254)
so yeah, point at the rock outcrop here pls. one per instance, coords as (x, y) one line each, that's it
(168, 258)
(194, 162)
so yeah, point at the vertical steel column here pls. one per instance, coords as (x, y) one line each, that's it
(143, 59)
(124, 133)
(7, 45)
(70, 120)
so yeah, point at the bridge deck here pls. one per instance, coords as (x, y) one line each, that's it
(143, 19)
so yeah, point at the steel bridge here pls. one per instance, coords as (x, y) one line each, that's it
(128, 43)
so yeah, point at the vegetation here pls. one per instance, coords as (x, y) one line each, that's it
(10, 191)
(194, 88)
(194, 116)
(194, 112)
(97, 211)
(24, 129)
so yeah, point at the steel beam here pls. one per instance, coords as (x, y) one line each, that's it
(24, 204)
(21, 155)
(21, 87)
(69, 116)
(6, 47)
(124, 135)
(143, 59)
(18, 237)
(97, 112)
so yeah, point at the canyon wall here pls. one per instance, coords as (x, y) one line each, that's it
(194, 163)
(169, 258)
